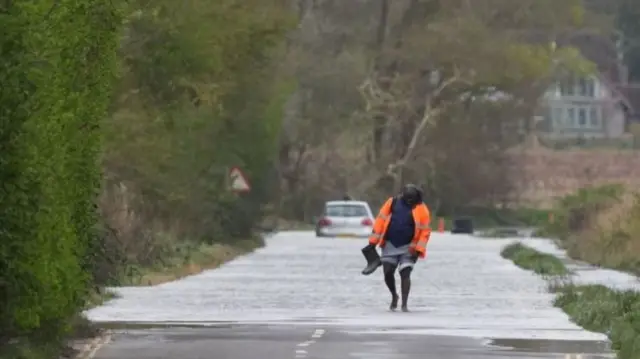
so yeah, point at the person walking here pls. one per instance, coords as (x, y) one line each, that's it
(402, 231)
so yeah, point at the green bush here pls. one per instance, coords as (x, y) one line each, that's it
(530, 259)
(58, 63)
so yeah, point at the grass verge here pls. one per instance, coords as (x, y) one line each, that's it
(530, 259)
(189, 261)
(593, 307)
(499, 233)
(80, 330)
(600, 309)
(24, 348)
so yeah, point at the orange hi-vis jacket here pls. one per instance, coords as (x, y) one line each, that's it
(421, 217)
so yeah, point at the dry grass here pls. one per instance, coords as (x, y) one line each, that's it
(141, 249)
(204, 258)
(613, 238)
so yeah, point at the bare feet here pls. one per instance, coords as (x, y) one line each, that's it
(394, 302)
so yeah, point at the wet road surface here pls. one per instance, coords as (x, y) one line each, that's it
(284, 341)
(271, 303)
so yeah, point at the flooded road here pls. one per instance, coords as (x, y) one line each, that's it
(465, 297)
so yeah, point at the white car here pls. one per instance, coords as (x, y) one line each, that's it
(345, 219)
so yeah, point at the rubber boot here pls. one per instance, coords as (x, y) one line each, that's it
(373, 259)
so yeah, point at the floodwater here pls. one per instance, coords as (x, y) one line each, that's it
(584, 273)
(463, 288)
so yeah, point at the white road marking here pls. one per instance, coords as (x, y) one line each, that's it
(317, 334)
(573, 356)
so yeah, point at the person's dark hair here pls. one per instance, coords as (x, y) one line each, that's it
(411, 194)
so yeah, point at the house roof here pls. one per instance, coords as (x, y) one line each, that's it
(603, 52)
(599, 49)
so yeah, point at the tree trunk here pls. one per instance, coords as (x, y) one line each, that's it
(379, 121)
(416, 11)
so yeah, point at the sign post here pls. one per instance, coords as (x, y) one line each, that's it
(238, 182)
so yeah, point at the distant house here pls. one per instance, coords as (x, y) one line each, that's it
(597, 106)
(585, 107)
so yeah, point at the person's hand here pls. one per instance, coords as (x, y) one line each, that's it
(414, 254)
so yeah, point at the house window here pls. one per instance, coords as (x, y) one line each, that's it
(571, 117)
(575, 117)
(566, 87)
(595, 118)
(582, 117)
(591, 88)
(586, 87)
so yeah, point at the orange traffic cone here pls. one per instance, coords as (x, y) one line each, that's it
(440, 224)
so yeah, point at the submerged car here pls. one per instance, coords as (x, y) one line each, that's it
(345, 219)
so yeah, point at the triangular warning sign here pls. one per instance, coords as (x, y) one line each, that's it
(238, 180)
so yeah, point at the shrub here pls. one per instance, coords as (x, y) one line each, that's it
(575, 212)
(600, 225)
(199, 93)
(56, 74)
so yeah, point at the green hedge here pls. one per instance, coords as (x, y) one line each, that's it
(58, 63)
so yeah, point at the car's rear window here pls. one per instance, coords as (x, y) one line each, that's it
(345, 210)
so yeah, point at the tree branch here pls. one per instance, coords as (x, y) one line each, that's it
(428, 115)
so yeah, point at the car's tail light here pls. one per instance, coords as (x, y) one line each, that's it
(367, 222)
(324, 222)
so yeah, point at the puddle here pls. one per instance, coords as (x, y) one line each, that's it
(552, 346)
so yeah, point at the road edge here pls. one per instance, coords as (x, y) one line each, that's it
(90, 350)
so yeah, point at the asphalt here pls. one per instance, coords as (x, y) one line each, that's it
(308, 342)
